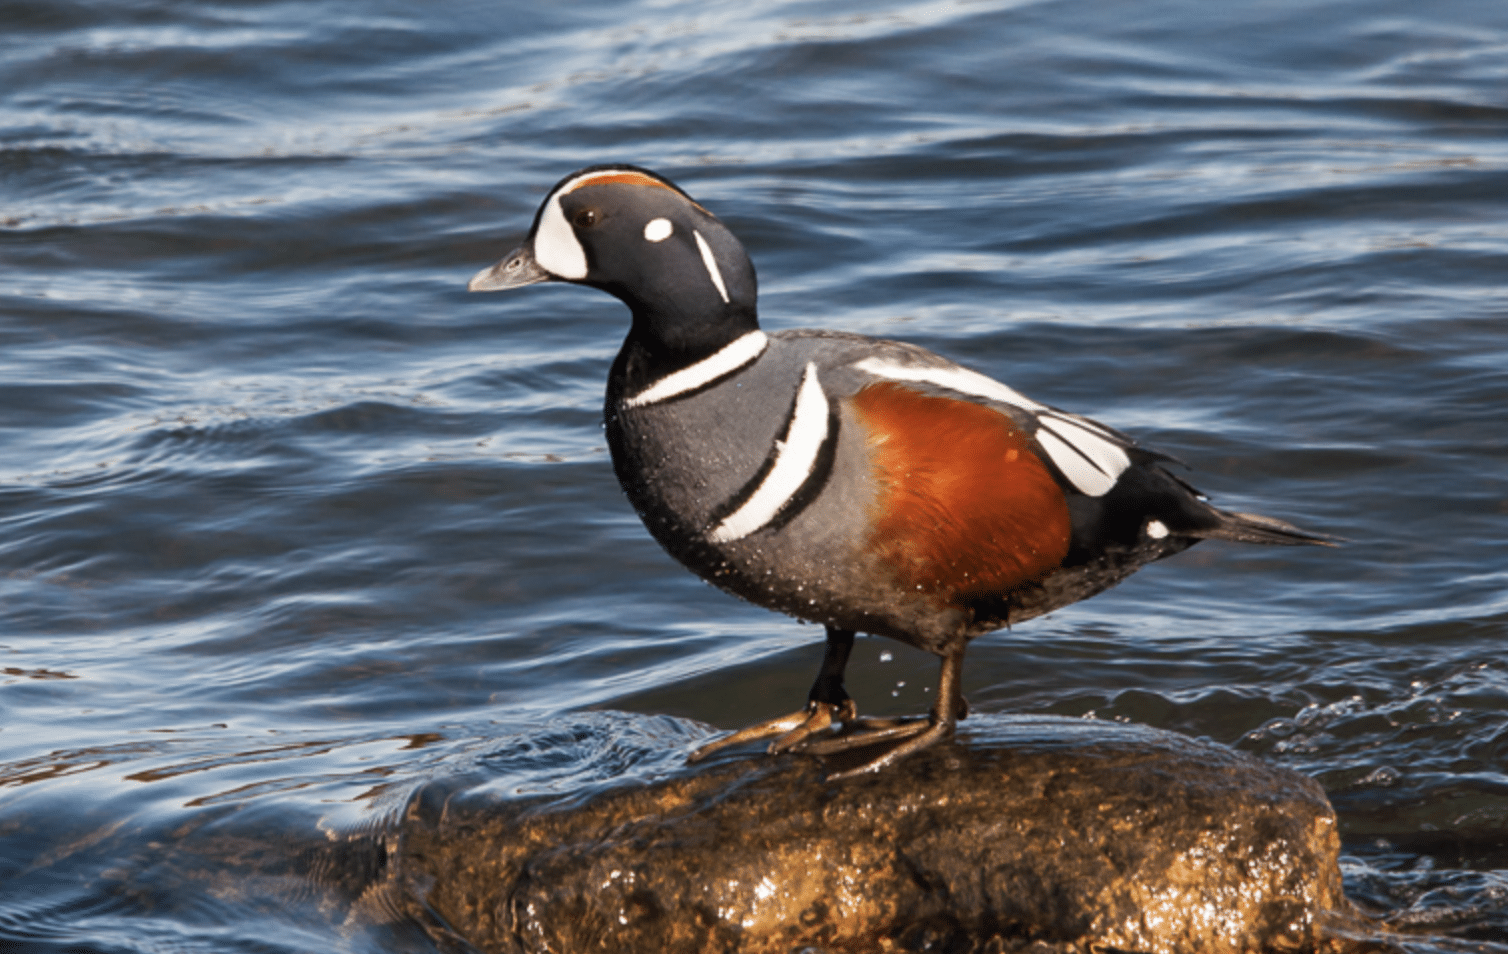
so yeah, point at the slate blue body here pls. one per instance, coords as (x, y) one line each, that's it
(751, 459)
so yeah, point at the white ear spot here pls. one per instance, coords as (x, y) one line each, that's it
(658, 230)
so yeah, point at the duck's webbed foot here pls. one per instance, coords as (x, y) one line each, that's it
(814, 731)
(791, 731)
(827, 703)
(913, 735)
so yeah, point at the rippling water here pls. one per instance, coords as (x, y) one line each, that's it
(290, 524)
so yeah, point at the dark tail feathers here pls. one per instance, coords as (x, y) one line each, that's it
(1255, 528)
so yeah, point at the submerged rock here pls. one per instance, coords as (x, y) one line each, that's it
(1048, 834)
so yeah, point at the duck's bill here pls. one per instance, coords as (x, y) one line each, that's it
(517, 269)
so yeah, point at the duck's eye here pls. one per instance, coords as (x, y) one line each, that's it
(587, 218)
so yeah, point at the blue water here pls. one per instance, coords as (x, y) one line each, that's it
(291, 524)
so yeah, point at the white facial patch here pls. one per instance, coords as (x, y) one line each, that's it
(795, 459)
(1091, 457)
(711, 263)
(658, 230)
(1156, 529)
(729, 358)
(555, 246)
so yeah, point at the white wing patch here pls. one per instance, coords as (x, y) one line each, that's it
(711, 263)
(732, 356)
(1088, 455)
(795, 458)
(1096, 461)
(1084, 475)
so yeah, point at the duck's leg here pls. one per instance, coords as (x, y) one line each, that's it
(828, 702)
(917, 735)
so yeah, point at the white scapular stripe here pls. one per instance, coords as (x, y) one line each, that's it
(732, 356)
(711, 263)
(961, 380)
(1089, 456)
(795, 457)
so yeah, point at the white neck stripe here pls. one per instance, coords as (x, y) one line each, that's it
(795, 459)
(729, 358)
(711, 263)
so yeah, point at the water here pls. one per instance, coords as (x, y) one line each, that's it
(290, 524)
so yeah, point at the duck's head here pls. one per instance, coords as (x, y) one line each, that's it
(637, 236)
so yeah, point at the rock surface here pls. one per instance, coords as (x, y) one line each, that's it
(1040, 834)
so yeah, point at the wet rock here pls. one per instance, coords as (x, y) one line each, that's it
(1039, 834)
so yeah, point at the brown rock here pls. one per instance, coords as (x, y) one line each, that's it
(1048, 834)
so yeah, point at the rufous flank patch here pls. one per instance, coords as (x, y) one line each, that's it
(965, 508)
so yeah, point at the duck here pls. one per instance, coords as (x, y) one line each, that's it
(863, 484)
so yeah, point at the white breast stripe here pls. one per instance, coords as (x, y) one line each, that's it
(711, 263)
(795, 457)
(961, 380)
(732, 356)
(1087, 454)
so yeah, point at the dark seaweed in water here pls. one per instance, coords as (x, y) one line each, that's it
(289, 524)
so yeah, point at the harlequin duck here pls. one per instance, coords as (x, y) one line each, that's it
(867, 485)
